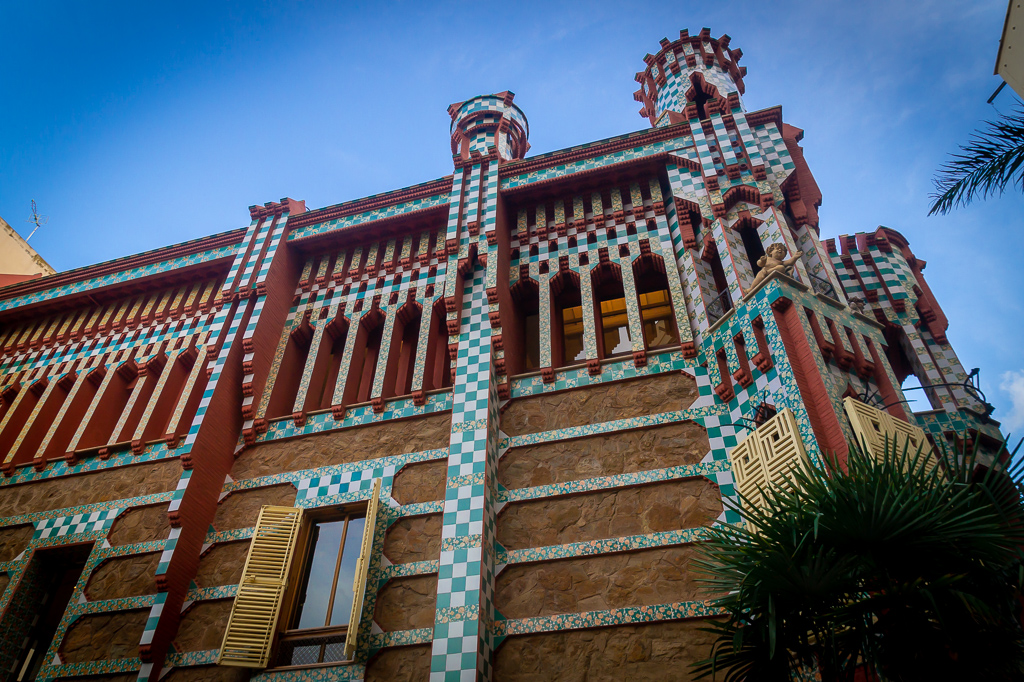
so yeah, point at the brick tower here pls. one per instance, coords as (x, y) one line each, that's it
(469, 429)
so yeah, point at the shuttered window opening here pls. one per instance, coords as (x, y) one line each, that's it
(765, 457)
(873, 428)
(362, 569)
(250, 629)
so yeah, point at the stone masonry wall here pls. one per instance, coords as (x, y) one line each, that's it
(601, 403)
(347, 445)
(104, 636)
(420, 482)
(655, 651)
(406, 603)
(416, 538)
(14, 539)
(241, 509)
(400, 664)
(129, 576)
(101, 486)
(651, 508)
(222, 564)
(140, 524)
(202, 626)
(609, 581)
(611, 454)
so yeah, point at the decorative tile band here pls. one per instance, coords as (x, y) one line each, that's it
(596, 619)
(595, 547)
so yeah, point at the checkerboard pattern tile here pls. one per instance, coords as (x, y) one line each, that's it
(72, 525)
(345, 482)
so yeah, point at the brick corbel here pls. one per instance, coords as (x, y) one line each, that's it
(639, 358)
(504, 391)
(593, 367)
(689, 349)
(725, 391)
(763, 362)
(419, 398)
(299, 418)
(338, 412)
(742, 377)
(547, 375)
(378, 405)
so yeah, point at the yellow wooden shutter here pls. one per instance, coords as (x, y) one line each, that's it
(872, 427)
(362, 568)
(250, 630)
(765, 457)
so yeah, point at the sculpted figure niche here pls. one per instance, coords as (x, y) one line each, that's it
(774, 260)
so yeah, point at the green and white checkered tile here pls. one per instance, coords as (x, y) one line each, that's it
(72, 525)
(336, 484)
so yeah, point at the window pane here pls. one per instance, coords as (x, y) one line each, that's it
(313, 612)
(343, 595)
(572, 328)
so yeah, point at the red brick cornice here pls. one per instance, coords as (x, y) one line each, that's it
(127, 263)
(399, 196)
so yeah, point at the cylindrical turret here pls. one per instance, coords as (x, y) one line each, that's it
(690, 71)
(488, 126)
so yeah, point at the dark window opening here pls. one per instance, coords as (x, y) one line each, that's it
(332, 346)
(289, 375)
(656, 313)
(700, 98)
(567, 320)
(41, 598)
(753, 246)
(526, 302)
(613, 336)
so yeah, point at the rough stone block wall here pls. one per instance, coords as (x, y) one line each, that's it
(651, 508)
(659, 447)
(202, 626)
(207, 673)
(101, 486)
(416, 538)
(14, 539)
(420, 482)
(241, 509)
(601, 403)
(347, 445)
(406, 603)
(399, 664)
(656, 651)
(140, 524)
(610, 581)
(130, 576)
(101, 636)
(222, 564)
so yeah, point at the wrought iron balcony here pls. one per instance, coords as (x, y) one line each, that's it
(822, 286)
(719, 306)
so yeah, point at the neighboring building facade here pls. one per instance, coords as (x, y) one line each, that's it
(18, 260)
(518, 386)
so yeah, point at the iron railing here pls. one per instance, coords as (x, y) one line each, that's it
(719, 306)
(312, 646)
(822, 286)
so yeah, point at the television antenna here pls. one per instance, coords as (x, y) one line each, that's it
(36, 219)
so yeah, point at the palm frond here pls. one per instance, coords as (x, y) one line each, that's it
(992, 159)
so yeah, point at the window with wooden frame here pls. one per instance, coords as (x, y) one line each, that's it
(316, 619)
(311, 570)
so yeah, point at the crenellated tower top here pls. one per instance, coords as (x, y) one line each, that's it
(693, 71)
(488, 126)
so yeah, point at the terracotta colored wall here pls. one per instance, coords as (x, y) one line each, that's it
(417, 538)
(101, 486)
(14, 539)
(140, 524)
(406, 603)
(129, 576)
(104, 635)
(241, 509)
(420, 482)
(347, 445)
(601, 403)
(222, 564)
(656, 651)
(659, 447)
(656, 507)
(400, 664)
(202, 626)
(610, 581)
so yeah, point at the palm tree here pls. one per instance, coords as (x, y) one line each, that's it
(992, 160)
(882, 570)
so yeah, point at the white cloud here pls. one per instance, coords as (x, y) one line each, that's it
(1013, 385)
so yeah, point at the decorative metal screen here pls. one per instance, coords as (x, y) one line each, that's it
(873, 427)
(362, 567)
(765, 457)
(250, 630)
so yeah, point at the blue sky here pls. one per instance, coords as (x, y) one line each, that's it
(137, 125)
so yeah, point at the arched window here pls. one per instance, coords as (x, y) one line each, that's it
(655, 301)
(289, 375)
(402, 355)
(437, 372)
(526, 299)
(364, 357)
(567, 320)
(325, 369)
(611, 317)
